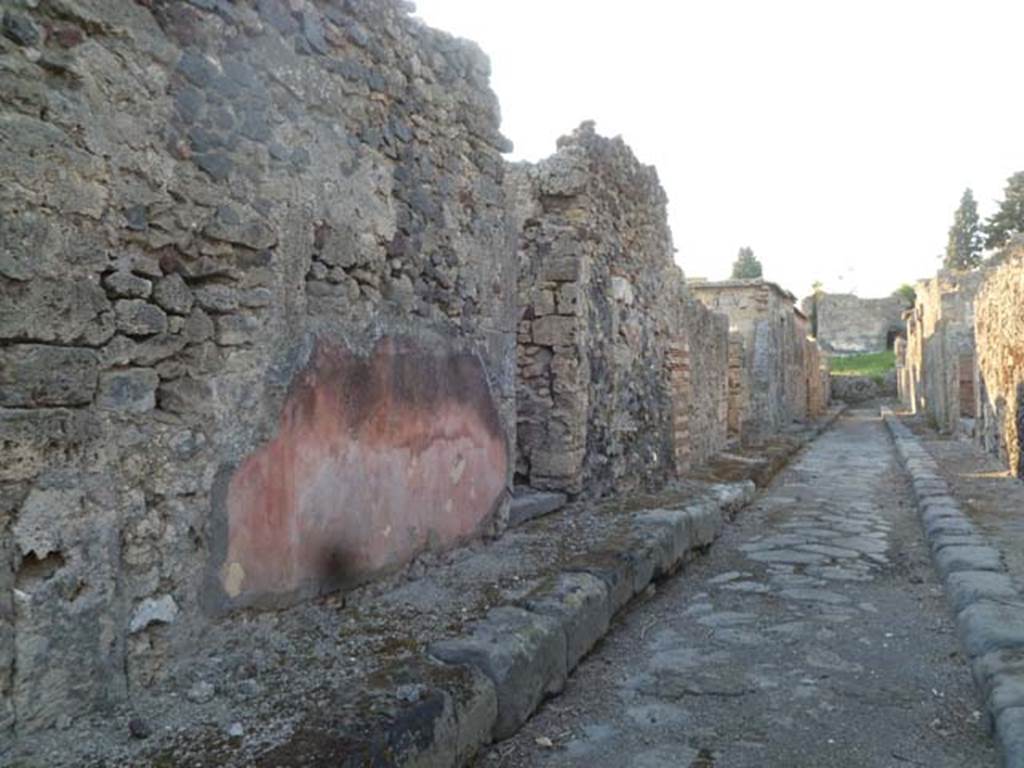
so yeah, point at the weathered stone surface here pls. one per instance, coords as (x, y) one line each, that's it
(182, 301)
(985, 627)
(528, 504)
(127, 285)
(522, 653)
(139, 318)
(421, 713)
(132, 390)
(705, 523)
(56, 311)
(579, 601)
(676, 527)
(999, 333)
(614, 570)
(993, 669)
(1009, 727)
(41, 375)
(967, 558)
(153, 610)
(173, 295)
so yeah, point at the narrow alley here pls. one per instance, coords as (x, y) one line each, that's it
(813, 634)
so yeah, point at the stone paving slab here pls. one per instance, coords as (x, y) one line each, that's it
(987, 604)
(751, 661)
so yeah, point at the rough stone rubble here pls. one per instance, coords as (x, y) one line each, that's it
(276, 316)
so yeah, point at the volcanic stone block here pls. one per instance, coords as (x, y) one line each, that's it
(1010, 736)
(527, 505)
(521, 652)
(675, 526)
(966, 587)
(41, 375)
(615, 570)
(967, 558)
(705, 523)
(132, 390)
(985, 627)
(136, 317)
(579, 601)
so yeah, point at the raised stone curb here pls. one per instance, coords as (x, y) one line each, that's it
(527, 651)
(987, 606)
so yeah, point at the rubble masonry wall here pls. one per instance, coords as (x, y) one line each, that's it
(257, 295)
(938, 359)
(622, 376)
(999, 332)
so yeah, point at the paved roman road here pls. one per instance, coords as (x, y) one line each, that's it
(813, 634)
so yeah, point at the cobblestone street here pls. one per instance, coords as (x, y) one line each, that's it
(813, 634)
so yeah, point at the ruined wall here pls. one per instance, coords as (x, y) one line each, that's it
(622, 377)
(939, 356)
(999, 331)
(768, 380)
(257, 294)
(848, 324)
(708, 396)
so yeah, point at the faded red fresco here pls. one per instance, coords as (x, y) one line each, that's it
(374, 459)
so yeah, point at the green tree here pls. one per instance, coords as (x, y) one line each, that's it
(1009, 219)
(907, 292)
(963, 249)
(746, 266)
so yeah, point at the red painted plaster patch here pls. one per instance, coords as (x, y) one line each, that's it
(374, 459)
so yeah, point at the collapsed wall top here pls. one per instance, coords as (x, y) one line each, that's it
(607, 333)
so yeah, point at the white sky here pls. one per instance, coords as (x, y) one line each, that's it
(834, 138)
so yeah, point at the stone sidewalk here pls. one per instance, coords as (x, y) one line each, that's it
(968, 519)
(814, 634)
(354, 680)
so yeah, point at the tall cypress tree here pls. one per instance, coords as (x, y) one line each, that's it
(746, 266)
(963, 250)
(1009, 219)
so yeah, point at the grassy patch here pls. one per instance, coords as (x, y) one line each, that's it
(874, 365)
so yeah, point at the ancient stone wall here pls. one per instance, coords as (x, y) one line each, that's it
(999, 329)
(848, 324)
(938, 361)
(622, 376)
(257, 291)
(769, 366)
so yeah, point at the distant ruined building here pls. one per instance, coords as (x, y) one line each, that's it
(847, 324)
(276, 316)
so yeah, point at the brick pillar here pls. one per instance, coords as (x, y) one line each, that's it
(678, 364)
